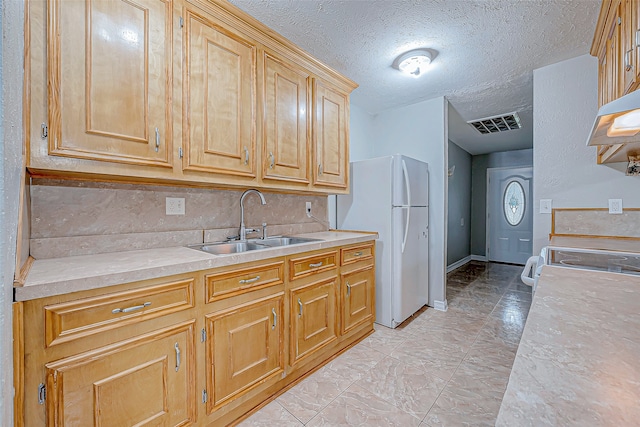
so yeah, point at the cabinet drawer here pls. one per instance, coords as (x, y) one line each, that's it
(80, 318)
(356, 254)
(304, 266)
(238, 281)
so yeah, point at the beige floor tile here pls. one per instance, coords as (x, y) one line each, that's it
(356, 361)
(359, 407)
(386, 339)
(410, 388)
(307, 398)
(271, 415)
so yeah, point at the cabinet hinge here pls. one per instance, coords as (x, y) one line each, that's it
(203, 335)
(44, 131)
(204, 396)
(42, 393)
(180, 152)
(619, 20)
(181, 22)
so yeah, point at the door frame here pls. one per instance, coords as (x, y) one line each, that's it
(487, 212)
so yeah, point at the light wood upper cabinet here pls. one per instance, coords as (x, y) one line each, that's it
(191, 92)
(109, 67)
(627, 45)
(331, 130)
(219, 98)
(146, 381)
(616, 45)
(286, 130)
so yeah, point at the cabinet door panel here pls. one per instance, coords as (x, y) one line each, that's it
(146, 381)
(219, 78)
(330, 137)
(110, 80)
(286, 137)
(313, 318)
(358, 288)
(246, 348)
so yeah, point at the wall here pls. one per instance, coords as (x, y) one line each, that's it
(420, 131)
(459, 195)
(361, 134)
(479, 166)
(79, 218)
(565, 169)
(11, 172)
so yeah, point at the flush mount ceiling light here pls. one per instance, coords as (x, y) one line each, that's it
(414, 62)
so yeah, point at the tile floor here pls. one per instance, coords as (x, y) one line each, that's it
(436, 369)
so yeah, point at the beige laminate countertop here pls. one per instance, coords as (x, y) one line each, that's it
(57, 276)
(578, 363)
(600, 243)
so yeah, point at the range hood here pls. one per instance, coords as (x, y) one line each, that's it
(618, 122)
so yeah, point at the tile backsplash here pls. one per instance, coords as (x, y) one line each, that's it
(596, 222)
(79, 218)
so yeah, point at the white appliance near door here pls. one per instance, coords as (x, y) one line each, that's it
(390, 195)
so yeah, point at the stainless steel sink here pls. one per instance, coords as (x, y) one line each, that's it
(228, 248)
(283, 241)
(224, 248)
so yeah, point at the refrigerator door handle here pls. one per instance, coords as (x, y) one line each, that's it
(406, 228)
(406, 183)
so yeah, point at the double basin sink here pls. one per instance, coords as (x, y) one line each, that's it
(224, 248)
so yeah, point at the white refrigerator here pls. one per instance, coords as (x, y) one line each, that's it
(390, 195)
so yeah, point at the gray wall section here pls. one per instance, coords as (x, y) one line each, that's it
(11, 172)
(459, 234)
(479, 166)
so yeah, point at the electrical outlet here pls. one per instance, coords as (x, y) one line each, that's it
(175, 206)
(615, 206)
(308, 208)
(545, 206)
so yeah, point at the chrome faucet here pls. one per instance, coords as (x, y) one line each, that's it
(243, 229)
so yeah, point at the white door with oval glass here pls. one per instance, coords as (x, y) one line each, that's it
(509, 215)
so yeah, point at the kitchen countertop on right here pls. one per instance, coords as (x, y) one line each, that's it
(578, 362)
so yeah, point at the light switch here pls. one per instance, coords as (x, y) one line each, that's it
(545, 206)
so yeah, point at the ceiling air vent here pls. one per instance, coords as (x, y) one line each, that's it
(497, 124)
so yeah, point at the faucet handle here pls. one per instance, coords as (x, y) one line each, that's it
(264, 230)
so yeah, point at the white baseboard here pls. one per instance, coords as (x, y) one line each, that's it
(440, 305)
(478, 258)
(458, 264)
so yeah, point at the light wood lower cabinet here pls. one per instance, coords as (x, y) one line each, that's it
(245, 349)
(148, 380)
(200, 348)
(358, 297)
(313, 318)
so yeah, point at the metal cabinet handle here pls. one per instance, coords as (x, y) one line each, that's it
(359, 253)
(299, 307)
(255, 279)
(246, 156)
(177, 348)
(273, 160)
(317, 264)
(637, 38)
(627, 61)
(157, 139)
(275, 318)
(348, 289)
(130, 309)
(320, 169)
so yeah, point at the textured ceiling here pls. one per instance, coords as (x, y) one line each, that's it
(486, 51)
